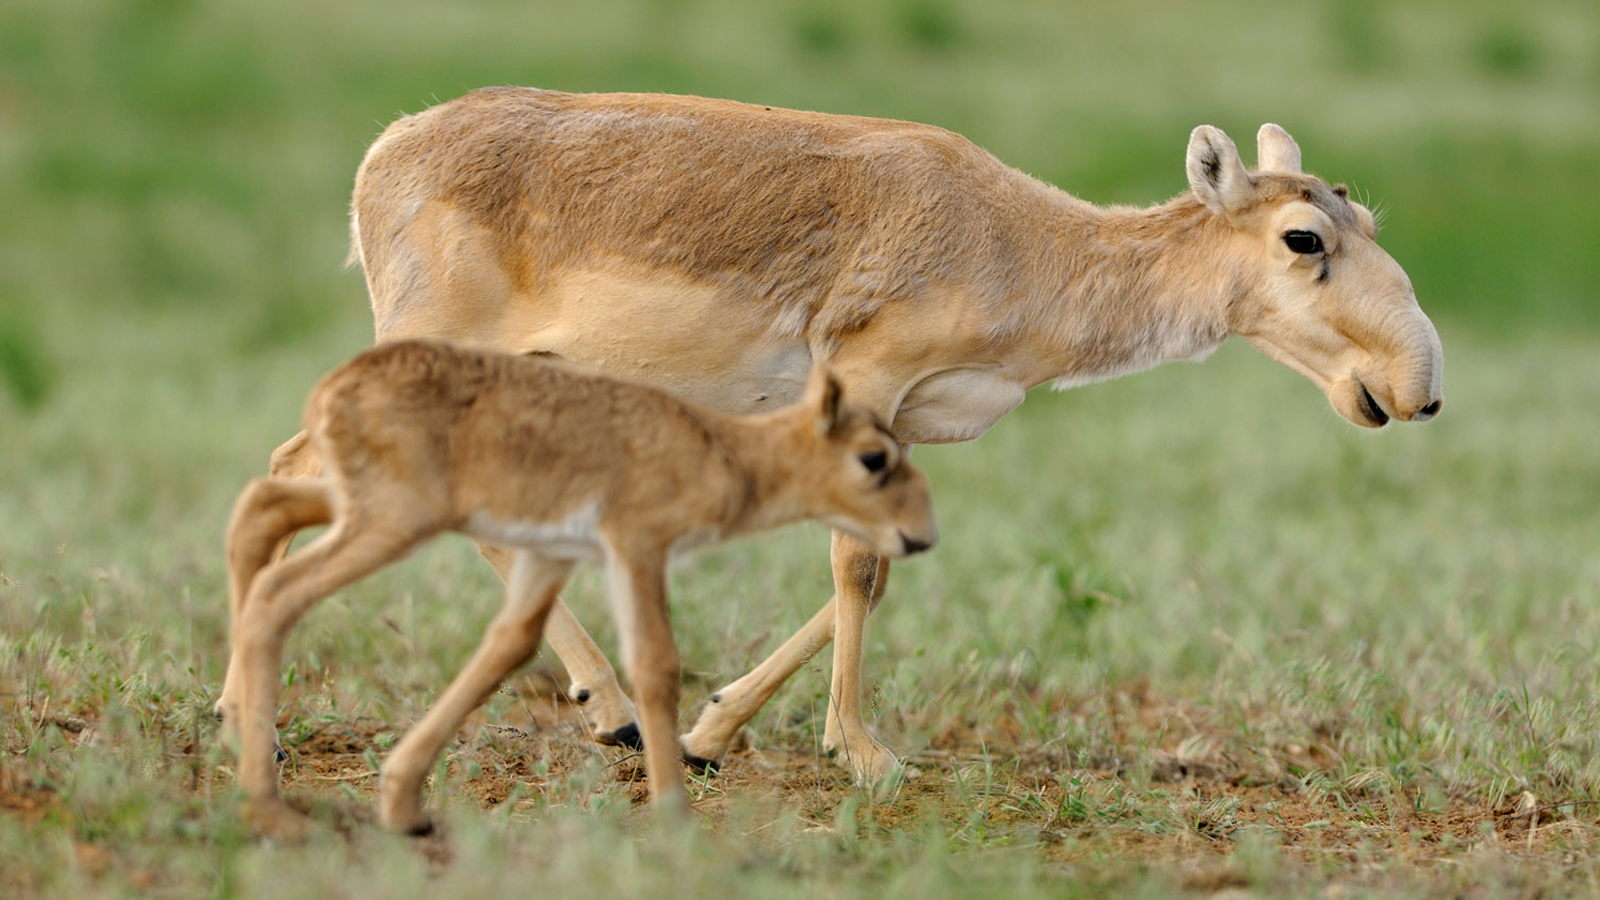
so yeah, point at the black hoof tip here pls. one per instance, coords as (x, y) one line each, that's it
(700, 765)
(581, 696)
(626, 736)
(423, 829)
(279, 755)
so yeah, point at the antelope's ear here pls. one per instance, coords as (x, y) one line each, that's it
(1216, 175)
(1276, 151)
(823, 396)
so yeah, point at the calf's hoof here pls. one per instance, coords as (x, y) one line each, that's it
(275, 819)
(871, 764)
(417, 824)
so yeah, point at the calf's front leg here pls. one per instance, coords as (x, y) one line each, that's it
(637, 580)
(606, 709)
(531, 585)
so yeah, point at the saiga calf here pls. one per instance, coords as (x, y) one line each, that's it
(418, 438)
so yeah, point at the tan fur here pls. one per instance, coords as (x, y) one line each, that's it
(555, 465)
(717, 248)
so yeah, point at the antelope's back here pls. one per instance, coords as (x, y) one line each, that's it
(767, 205)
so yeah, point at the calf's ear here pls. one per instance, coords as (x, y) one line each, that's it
(823, 396)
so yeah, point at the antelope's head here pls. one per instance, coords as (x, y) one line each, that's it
(1324, 299)
(857, 478)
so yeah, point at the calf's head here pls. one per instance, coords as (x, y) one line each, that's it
(1318, 294)
(857, 478)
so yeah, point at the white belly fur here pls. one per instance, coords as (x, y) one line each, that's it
(577, 536)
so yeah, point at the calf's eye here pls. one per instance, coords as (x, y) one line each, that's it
(1303, 242)
(875, 461)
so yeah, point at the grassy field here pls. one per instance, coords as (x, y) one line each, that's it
(1187, 633)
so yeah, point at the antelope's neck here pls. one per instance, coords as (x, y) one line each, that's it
(1124, 289)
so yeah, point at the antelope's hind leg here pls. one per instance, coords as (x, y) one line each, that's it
(606, 709)
(532, 582)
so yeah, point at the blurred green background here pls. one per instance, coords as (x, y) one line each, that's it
(175, 173)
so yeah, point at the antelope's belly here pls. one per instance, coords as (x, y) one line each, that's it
(662, 329)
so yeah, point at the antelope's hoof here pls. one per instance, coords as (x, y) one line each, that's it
(626, 736)
(871, 764)
(701, 766)
(610, 716)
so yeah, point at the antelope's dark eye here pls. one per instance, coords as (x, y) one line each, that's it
(1304, 242)
(875, 461)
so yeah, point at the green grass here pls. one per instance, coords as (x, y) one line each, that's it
(1422, 603)
(1209, 636)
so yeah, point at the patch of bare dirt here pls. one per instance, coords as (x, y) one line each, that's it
(23, 797)
(1184, 795)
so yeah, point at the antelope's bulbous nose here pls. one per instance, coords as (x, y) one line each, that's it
(914, 546)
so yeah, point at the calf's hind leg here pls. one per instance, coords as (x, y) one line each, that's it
(266, 516)
(280, 595)
(531, 585)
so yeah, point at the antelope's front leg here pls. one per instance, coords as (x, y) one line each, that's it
(737, 703)
(856, 570)
(606, 709)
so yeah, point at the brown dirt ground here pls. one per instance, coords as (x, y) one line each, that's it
(1211, 800)
(524, 753)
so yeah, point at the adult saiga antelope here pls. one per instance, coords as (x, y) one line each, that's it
(557, 464)
(716, 249)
